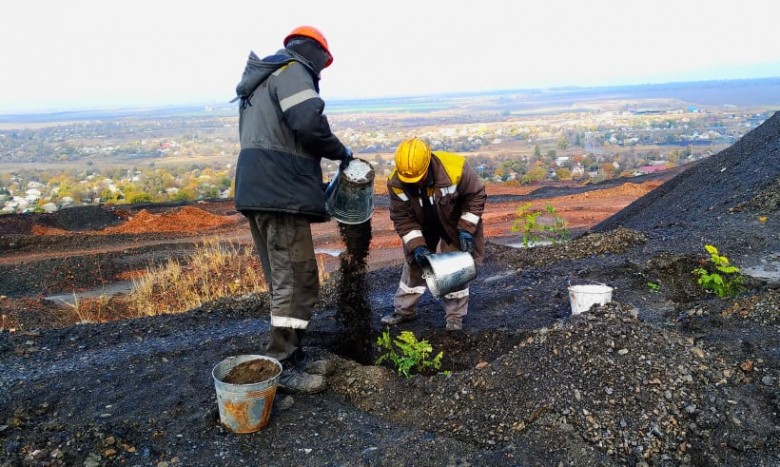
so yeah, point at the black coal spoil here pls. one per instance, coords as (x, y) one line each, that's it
(354, 311)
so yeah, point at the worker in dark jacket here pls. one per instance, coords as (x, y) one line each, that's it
(436, 202)
(279, 188)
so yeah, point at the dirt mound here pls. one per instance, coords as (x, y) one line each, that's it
(664, 375)
(717, 200)
(601, 379)
(90, 219)
(186, 219)
(77, 218)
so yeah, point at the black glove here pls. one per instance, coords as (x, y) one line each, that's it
(466, 241)
(347, 159)
(421, 255)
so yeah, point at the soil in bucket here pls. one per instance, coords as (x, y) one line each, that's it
(253, 371)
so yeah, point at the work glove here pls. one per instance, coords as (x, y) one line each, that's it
(466, 241)
(347, 159)
(421, 254)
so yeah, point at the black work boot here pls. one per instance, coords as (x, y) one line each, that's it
(313, 363)
(294, 381)
(454, 324)
(398, 318)
(316, 365)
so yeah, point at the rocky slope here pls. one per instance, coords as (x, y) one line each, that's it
(663, 375)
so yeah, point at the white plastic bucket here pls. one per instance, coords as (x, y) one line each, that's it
(586, 295)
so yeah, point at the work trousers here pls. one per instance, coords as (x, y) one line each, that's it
(413, 286)
(286, 250)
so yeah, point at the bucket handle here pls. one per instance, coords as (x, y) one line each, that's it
(332, 185)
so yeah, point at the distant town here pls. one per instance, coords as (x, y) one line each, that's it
(52, 162)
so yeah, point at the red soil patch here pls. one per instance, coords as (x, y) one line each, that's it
(187, 219)
(131, 275)
(43, 230)
(582, 210)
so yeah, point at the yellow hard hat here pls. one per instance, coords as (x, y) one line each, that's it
(412, 159)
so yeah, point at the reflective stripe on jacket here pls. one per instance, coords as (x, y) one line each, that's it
(284, 135)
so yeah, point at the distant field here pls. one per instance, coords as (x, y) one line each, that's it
(170, 161)
(514, 136)
(763, 94)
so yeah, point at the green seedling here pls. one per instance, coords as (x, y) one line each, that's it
(725, 280)
(406, 353)
(535, 227)
(654, 286)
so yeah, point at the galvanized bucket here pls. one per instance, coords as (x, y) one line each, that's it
(349, 198)
(244, 408)
(446, 272)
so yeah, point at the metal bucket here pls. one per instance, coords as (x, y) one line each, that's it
(244, 408)
(349, 198)
(584, 296)
(445, 272)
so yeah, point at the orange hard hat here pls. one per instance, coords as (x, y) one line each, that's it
(412, 159)
(312, 33)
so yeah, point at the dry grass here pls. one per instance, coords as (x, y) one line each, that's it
(214, 270)
(94, 310)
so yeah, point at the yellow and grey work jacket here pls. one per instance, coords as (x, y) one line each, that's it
(457, 195)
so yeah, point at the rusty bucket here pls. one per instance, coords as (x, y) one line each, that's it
(244, 408)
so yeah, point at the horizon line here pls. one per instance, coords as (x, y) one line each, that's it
(202, 102)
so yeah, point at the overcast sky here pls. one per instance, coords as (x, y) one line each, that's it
(60, 54)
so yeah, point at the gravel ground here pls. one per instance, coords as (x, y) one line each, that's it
(665, 375)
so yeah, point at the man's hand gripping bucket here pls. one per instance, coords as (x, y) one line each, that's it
(349, 198)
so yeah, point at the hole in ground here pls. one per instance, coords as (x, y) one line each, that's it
(462, 351)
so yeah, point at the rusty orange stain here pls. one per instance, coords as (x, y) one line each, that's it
(239, 411)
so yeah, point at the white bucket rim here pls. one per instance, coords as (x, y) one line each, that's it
(591, 288)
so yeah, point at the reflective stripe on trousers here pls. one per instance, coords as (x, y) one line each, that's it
(286, 250)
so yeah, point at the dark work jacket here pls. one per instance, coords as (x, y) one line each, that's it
(284, 135)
